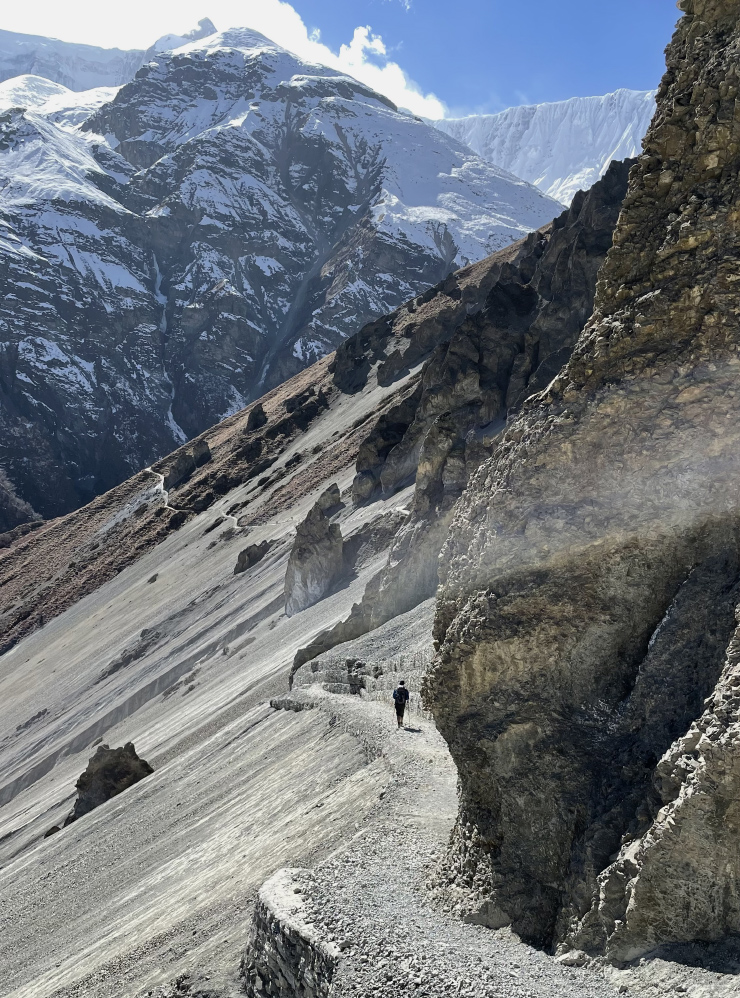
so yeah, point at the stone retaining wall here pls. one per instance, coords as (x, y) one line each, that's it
(284, 956)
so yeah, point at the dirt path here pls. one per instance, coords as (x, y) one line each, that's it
(372, 896)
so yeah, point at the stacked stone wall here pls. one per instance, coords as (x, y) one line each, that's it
(284, 956)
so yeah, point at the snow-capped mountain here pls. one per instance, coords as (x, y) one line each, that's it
(170, 249)
(561, 147)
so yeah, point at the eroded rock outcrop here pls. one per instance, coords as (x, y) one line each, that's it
(316, 561)
(181, 464)
(109, 772)
(591, 575)
(14, 512)
(256, 418)
(250, 556)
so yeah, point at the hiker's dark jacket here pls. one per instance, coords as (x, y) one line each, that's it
(401, 696)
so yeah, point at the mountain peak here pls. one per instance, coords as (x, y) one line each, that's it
(166, 43)
(205, 27)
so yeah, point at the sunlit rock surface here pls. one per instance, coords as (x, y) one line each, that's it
(590, 579)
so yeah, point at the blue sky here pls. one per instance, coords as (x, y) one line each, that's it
(435, 57)
(484, 55)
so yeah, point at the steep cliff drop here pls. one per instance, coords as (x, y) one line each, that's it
(588, 665)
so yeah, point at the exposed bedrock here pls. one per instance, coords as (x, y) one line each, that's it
(491, 334)
(590, 579)
(180, 465)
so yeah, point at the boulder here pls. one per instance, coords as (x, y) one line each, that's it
(250, 556)
(256, 418)
(109, 772)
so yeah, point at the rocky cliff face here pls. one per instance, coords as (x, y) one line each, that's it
(587, 666)
(175, 249)
(486, 339)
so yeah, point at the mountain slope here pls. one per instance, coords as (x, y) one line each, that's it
(157, 614)
(585, 645)
(243, 214)
(449, 352)
(562, 147)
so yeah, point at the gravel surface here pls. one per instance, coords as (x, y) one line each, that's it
(371, 898)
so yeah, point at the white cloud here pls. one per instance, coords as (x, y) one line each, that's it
(137, 23)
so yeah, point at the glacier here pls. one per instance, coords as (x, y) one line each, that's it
(561, 147)
(82, 67)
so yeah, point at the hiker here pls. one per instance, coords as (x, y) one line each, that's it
(401, 696)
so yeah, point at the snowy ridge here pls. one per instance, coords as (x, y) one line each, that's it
(55, 102)
(79, 67)
(82, 67)
(561, 147)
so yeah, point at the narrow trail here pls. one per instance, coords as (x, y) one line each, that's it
(374, 897)
(381, 897)
(161, 488)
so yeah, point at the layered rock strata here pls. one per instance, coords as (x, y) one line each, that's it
(590, 580)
